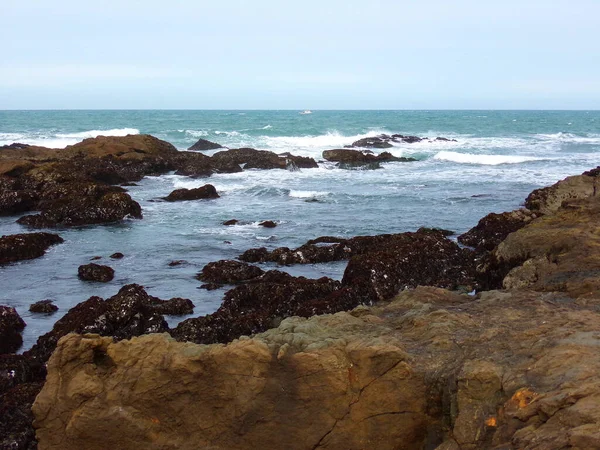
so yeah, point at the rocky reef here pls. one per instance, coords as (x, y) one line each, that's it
(395, 355)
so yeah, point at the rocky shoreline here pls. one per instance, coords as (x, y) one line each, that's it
(395, 355)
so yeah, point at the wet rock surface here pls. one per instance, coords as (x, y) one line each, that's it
(43, 307)
(11, 326)
(354, 158)
(257, 306)
(228, 272)
(18, 247)
(386, 140)
(95, 272)
(207, 191)
(494, 228)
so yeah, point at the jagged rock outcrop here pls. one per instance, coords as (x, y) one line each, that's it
(430, 369)
(18, 247)
(386, 140)
(207, 191)
(260, 159)
(11, 326)
(203, 144)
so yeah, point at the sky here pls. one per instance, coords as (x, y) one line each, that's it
(309, 54)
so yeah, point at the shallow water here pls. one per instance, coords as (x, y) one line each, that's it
(499, 157)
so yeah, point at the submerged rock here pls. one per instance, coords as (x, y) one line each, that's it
(11, 326)
(117, 255)
(18, 247)
(268, 224)
(43, 307)
(95, 272)
(207, 191)
(203, 144)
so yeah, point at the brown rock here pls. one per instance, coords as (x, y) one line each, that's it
(228, 272)
(43, 307)
(11, 326)
(95, 272)
(268, 224)
(18, 247)
(207, 191)
(117, 255)
(231, 222)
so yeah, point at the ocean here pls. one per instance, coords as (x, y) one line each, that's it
(497, 159)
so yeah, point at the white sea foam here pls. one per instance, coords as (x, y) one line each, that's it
(308, 194)
(196, 133)
(95, 133)
(489, 160)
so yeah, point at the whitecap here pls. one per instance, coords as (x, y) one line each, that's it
(308, 194)
(96, 133)
(491, 160)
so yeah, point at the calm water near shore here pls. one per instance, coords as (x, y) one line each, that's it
(499, 157)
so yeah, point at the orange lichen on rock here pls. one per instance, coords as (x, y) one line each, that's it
(492, 422)
(523, 397)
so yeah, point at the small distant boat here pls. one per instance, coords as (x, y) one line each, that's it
(307, 111)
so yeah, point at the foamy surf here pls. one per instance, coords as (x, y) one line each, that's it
(488, 160)
(62, 140)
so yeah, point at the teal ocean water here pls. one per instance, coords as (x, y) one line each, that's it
(497, 159)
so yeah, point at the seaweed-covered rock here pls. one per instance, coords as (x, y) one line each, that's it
(207, 191)
(11, 326)
(257, 306)
(494, 228)
(79, 204)
(43, 307)
(174, 307)
(96, 272)
(131, 312)
(18, 247)
(228, 272)
(203, 144)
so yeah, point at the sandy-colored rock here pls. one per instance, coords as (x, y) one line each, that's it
(431, 368)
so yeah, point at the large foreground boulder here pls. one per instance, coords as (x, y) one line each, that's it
(18, 247)
(432, 369)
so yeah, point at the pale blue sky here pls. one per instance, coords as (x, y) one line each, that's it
(317, 54)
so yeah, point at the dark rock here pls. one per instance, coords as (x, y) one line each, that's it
(231, 222)
(256, 306)
(95, 272)
(79, 204)
(176, 263)
(251, 158)
(196, 165)
(207, 191)
(300, 162)
(11, 326)
(17, 201)
(268, 224)
(228, 272)
(373, 142)
(15, 146)
(435, 230)
(117, 255)
(129, 184)
(132, 312)
(19, 247)
(494, 228)
(95, 258)
(16, 430)
(443, 139)
(211, 286)
(43, 307)
(348, 158)
(203, 144)
(175, 307)
(410, 260)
